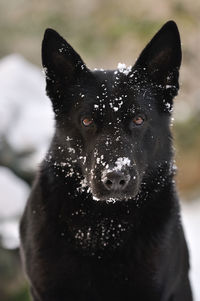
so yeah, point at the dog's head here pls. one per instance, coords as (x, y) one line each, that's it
(113, 125)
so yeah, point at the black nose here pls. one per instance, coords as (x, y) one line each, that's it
(115, 181)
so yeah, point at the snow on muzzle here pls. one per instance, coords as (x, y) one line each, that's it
(118, 177)
(116, 180)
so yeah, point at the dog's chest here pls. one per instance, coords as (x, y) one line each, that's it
(98, 234)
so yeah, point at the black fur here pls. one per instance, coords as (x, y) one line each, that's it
(103, 220)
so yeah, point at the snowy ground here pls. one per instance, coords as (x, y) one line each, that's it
(191, 222)
(26, 117)
(14, 193)
(23, 100)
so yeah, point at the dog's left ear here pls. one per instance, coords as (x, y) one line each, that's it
(59, 59)
(161, 58)
(62, 65)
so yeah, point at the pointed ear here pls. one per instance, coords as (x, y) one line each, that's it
(161, 58)
(59, 59)
(62, 65)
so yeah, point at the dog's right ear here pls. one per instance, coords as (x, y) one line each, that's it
(62, 65)
(161, 59)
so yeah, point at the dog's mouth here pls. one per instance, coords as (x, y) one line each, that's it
(112, 197)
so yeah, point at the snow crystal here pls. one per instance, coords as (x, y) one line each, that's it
(84, 183)
(83, 187)
(71, 150)
(172, 121)
(83, 158)
(119, 164)
(68, 138)
(167, 104)
(95, 198)
(122, 68)
(96, 69)
(120, 103)
(111, 200)
(98, 160)
(122, 161)
(170, 86)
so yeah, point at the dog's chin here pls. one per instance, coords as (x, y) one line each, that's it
(99, 193)
(113, 197)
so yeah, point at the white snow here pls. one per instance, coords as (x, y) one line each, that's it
(122, 68)
(26, 116)
(13, 195)
(122, 161)
(26, 120)
(71, 150)
(61, 50)
(119, 164)
(191, 222)
(10, 234)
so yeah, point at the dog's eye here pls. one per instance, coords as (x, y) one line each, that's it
(87, 121)
(138, 120)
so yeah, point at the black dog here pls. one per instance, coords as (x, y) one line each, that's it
(103, 221)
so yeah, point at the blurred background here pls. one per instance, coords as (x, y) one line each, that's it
(104, 32)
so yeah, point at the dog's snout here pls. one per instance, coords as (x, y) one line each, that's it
(115, 181)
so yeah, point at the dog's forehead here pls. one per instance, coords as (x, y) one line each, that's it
(113, 91)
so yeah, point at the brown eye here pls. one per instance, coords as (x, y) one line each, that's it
(87, 121)
(138, 120)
